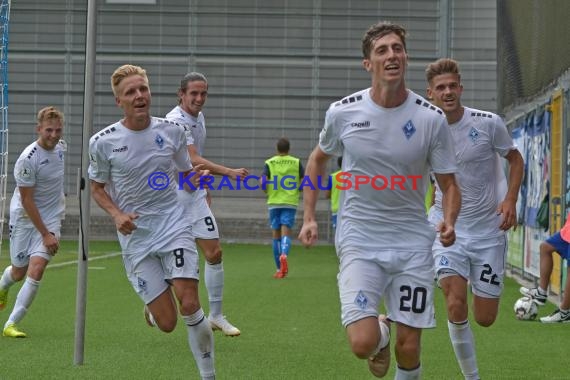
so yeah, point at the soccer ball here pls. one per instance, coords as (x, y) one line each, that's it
(525, 309)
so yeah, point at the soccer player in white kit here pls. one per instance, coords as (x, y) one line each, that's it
(383, 239)
(129, 162)
(192, 96)
(36, 210)
(487, 211)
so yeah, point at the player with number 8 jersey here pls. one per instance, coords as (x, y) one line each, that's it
(158, 248)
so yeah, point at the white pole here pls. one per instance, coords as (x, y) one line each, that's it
(84, 192)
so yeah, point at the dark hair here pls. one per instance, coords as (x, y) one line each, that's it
(190, 77)
(442, 66)
(380, 30)
(283, 145)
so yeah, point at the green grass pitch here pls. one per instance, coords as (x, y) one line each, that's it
(290, 328)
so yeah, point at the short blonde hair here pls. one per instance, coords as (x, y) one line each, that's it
(49, 113)
(125, 71)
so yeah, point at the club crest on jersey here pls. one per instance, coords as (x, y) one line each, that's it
(473, 134)
(409, 129)
(361, 300)
(444, 261)
(124, 148)
(159, 141)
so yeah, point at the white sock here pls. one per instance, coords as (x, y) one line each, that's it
(6, 280)
(150, 316)
(405, 374)
(23, 301)
(464, 346)
(201, 341)
(214, 279)
(541, 291)
(384, 338)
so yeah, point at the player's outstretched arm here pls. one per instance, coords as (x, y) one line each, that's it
(315, 169)
(213, 167)
(193, 179)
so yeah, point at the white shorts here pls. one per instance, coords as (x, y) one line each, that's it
(150, 275)
(403, 279)
(481, 261)
(26, 241)
(206, 227)
(204, 224)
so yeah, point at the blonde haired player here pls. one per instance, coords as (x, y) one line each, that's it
(153, 230)
(36, 210)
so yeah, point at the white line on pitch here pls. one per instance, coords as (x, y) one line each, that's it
(66, 263)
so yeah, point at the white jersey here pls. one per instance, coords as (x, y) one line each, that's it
(401, 142)
(127, 161)
(44, 171)
(479, 139)
(195, 129)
